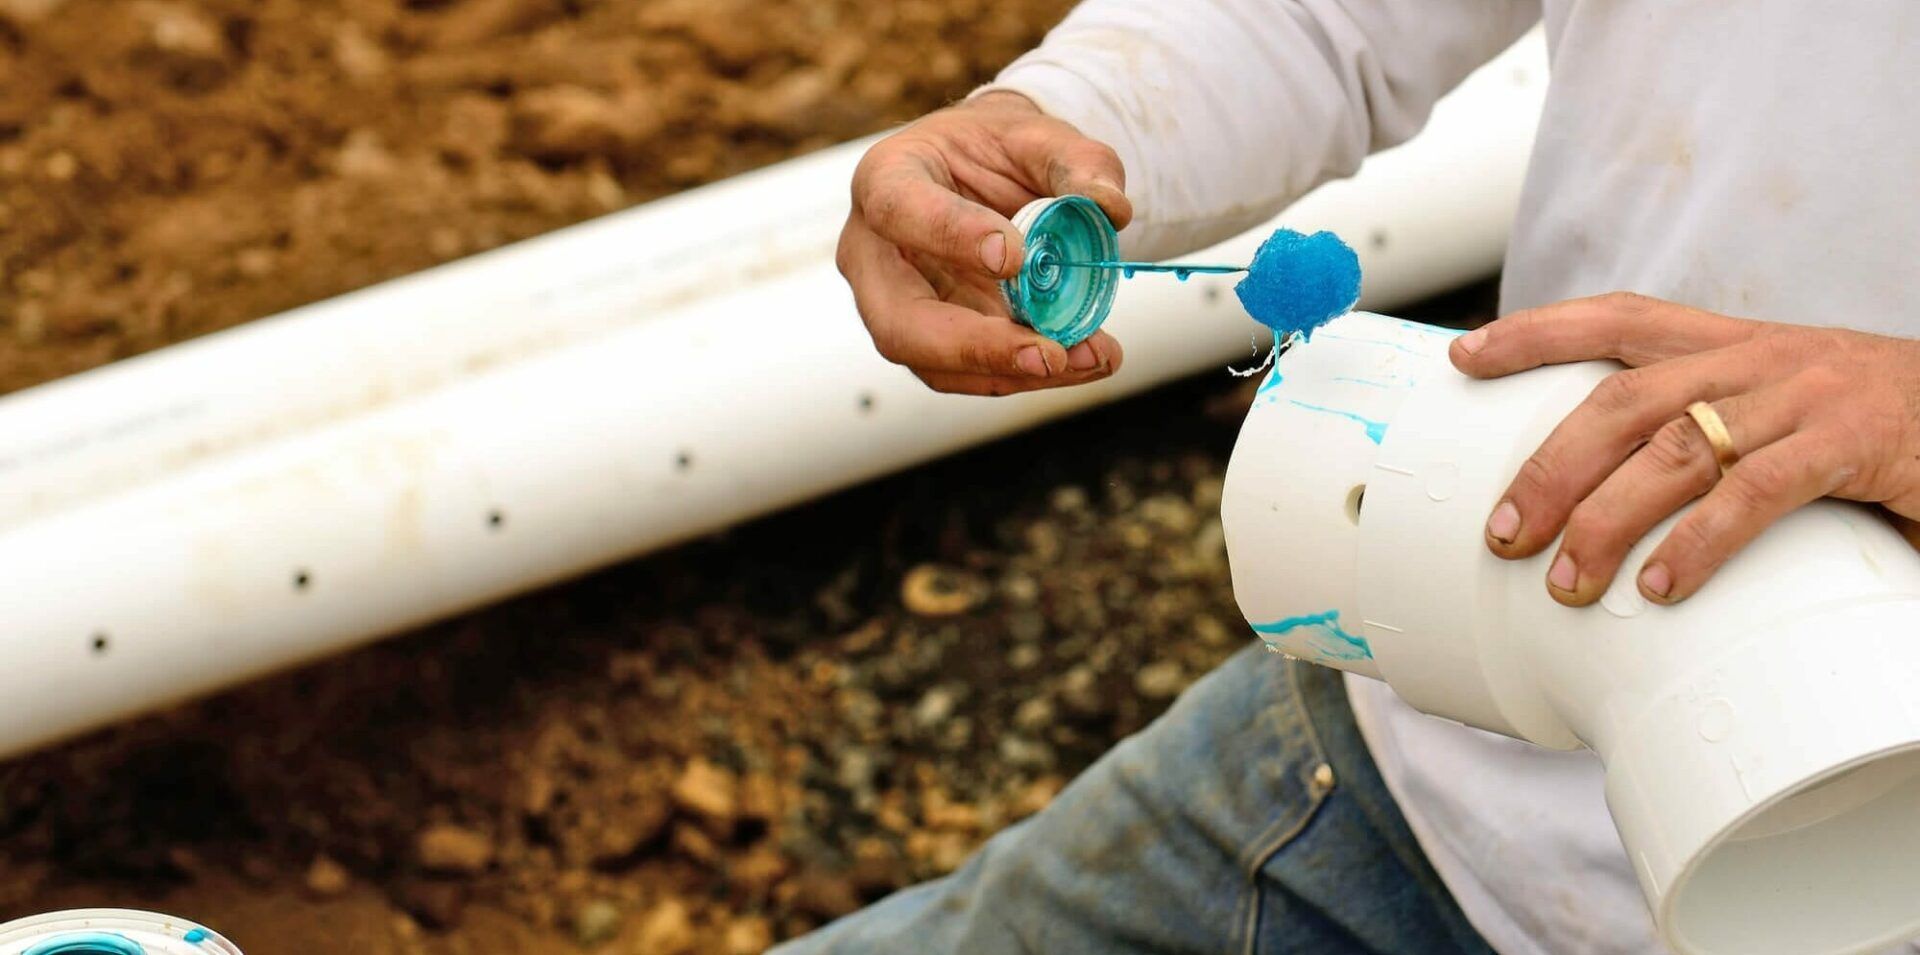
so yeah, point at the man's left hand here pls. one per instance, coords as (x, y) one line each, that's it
(1813, 412)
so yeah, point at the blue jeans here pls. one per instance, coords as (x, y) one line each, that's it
(1247, 819)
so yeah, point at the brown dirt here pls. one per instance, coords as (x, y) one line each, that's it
(168, 168)
(701, 751)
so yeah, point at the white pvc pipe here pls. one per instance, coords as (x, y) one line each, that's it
(266, 496)
(1761, 739)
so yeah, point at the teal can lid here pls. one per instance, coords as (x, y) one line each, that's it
(1064, 304)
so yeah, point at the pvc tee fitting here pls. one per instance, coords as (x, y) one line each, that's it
(1761, 739)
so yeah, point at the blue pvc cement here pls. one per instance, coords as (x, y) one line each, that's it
(1376, 430)
(88, 943)
(1337, 645)
(1298, 283)
(196, 936)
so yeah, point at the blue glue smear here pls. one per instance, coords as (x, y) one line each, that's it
(1376, 430)
(1342, 645)
(195, 936)
(1373, 341)
(88, 943)
(1298, 283)
(1434, 329)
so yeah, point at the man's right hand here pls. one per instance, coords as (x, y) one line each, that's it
(929, 239)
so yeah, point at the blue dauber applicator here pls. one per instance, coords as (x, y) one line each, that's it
(1065, 289)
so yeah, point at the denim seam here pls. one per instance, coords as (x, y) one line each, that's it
(1271, 841)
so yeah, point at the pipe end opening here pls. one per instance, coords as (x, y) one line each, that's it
(1828, 867)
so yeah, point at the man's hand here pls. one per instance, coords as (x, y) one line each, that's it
(1813, 412)
(929, 240)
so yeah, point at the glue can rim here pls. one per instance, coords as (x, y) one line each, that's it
(90, 931)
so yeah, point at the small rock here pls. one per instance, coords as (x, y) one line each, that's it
(931, 590)
(1211, 631)
(1171, 512)
(61, 166)
(940, 852)
(255, 262)
(627, 829)
(454, 849)
(596, 921)
(572, 122)
(1043, 541)
(179, 28)
(1068, 499)
(935, 706)
(1036, 796)
(759, 797)
(758, 871)
(667, 929)
(30, 323)
(824, 894)
(876, 867)
(856, 769)
(1080, 690)
(956, 735)
(1034, 714)
(707, 791)
(939, 812)
(358, 55)
(1019, 751)
(536, 791)
(1021, 590)
(1023, 657)
(1027, 626)
(1160, 681)
(434, 903)
(259, 869)
(1207, 492)
(747, 936)
(364, 156)
(861, 708)
(1210, 544)
(689, 841)
(327, 878)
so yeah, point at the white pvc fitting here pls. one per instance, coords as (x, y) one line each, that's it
(1761, 739)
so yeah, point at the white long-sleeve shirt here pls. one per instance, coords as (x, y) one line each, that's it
(1759, 158)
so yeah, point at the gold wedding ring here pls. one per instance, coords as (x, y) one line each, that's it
(1715, 429)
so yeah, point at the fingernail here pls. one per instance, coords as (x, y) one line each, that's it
(993, 252)
(1081, 357)
(1471, 341)
(1657, 580)
(1504, 525)
(1030, 361)
(1564, 576)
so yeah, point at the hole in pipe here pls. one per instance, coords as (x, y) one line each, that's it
(1355, 498)
(301, 579)
(683, 461)
(100, 643)
(866, 402)
(496, 519)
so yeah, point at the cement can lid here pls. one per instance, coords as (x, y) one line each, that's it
(110, 932)
(1064, 304)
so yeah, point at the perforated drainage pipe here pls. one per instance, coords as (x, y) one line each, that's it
(262, 497)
